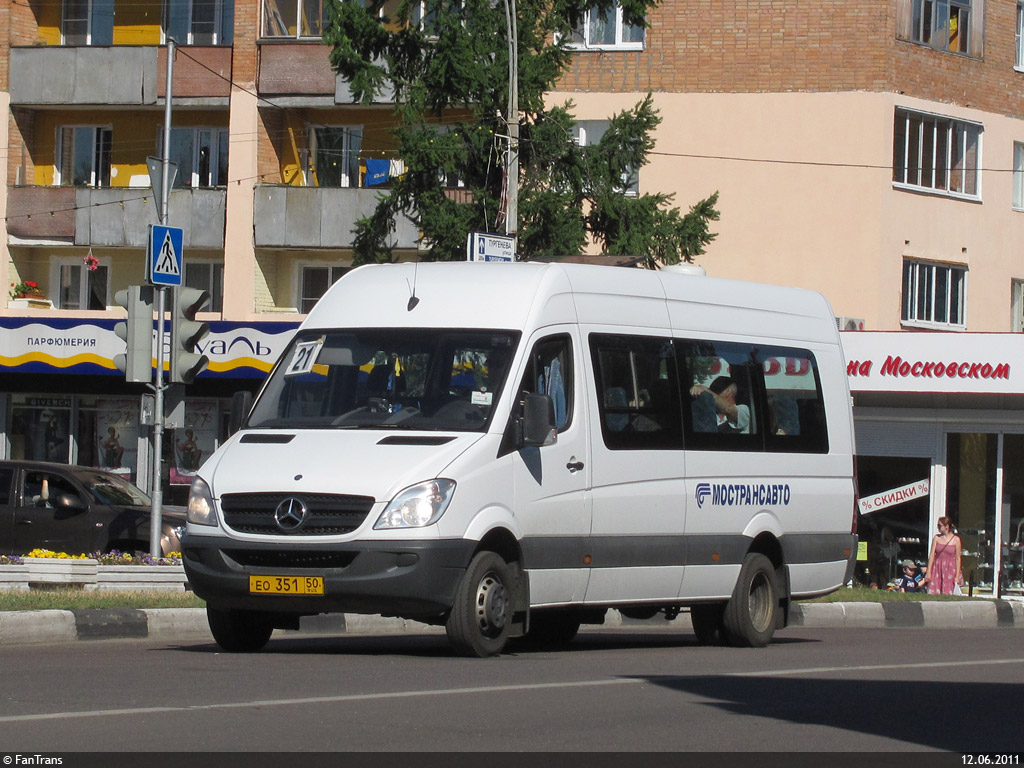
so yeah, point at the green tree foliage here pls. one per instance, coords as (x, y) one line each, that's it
(448, 71)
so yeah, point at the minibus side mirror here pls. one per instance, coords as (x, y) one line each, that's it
(241, 404)
(538, 423)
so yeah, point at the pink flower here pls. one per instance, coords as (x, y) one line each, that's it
(91, 262)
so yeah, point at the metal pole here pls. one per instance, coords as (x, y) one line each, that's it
(155, 523)
(512, 119)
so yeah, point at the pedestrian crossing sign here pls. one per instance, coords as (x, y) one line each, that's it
(165, 255)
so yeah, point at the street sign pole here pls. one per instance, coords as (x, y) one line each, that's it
(156, 513)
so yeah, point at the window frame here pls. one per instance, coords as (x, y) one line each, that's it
(947, 133)
(1017, 201)
(311, 176)
(101, 142)
(269, 12)
(583, 134)
(219, 143)
(921, 22)
(223, 22)
(1018, 39)
(334, 272)
(580, 39)
(60, 264)
(213, 282)
(913, 293)
(94, 11)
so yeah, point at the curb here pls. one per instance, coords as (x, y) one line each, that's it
(189, 624)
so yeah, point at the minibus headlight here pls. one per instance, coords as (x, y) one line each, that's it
(418, 505)
(200, 503)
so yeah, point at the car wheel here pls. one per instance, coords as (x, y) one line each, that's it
(707, 622)
(749, 618)
(479, 621)
(239, 631)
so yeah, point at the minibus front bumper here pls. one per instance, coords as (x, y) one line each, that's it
(412, 579)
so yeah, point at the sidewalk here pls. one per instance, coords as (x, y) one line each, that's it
(189, 624)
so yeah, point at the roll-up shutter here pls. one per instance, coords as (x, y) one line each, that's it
(897, 438)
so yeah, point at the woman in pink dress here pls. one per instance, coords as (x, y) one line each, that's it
(944, 560)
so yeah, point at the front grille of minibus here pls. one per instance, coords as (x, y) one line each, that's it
(329, 514)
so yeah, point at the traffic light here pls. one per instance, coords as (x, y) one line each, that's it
(137, 332)
(186, 333)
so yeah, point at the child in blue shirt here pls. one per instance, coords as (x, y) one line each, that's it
(908, 582)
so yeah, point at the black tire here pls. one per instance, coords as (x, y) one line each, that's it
(749, 618)
(550, 629)
(239, 631)
(707, 623)
(479, 621)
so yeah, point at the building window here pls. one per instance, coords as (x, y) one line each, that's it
(200, 22)
(936, 153)
(588, 133)
(83, 156)
(334, 156)
(315, 282)
(87, 22)
(1019, 38)
(293, 18)
(947, 25)
(201, 155)
(207, 276)
(1018, 175)
(934, 295)
(1017, 306)
(605, 30)
(80, 287)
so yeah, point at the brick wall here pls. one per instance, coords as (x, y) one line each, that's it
(758, 46)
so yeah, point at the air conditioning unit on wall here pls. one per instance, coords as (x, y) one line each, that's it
(850, 323)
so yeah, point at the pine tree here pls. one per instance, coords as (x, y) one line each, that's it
(448, 68)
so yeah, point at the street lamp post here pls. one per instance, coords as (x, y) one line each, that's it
(512, 120)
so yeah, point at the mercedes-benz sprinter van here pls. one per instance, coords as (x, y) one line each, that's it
(509, 450)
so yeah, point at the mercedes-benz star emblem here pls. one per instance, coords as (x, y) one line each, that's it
(291, 514)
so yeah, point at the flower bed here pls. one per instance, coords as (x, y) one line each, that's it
(42, 569)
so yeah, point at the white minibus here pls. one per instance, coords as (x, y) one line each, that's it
(511, 450)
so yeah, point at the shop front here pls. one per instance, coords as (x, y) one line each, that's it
(63, 400)
(939, 420)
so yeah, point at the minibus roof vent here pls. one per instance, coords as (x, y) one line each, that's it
(685, 269)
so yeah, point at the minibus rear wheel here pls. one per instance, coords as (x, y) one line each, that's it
(479, 621)
(749, 618)
(707, 622)
(239, 631)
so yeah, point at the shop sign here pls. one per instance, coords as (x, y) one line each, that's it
(88, 347)
(982, 363)
(895, 496)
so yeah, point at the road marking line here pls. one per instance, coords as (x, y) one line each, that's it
(316, 700)
(874, 667)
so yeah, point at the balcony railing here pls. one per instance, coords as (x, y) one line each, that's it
(318, 217)
(299, 72)
(114, 75)
(115, 216)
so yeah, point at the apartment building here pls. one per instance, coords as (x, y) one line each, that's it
(871, 151)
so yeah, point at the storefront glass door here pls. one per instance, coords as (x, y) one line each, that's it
(971, 469)
(1012, 516)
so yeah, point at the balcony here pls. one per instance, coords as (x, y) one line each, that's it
(116, 217)
(299, 73)
(116, 75)
(318, 217)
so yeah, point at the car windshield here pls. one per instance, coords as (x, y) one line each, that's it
(112, 489)
(429, 379)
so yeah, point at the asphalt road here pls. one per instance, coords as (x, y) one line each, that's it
(848, 690)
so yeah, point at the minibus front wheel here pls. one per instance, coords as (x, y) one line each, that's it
(239, 631)
(750, 615)
(479, 622)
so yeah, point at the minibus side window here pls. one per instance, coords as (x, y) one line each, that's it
(796, 411)
(637, 391)
(550, 372)
(723, 388)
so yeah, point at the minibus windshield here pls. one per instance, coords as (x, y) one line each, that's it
(392, 378)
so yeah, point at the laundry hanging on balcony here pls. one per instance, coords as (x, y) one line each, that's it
(377, 172)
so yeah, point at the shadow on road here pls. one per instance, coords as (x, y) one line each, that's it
(960, 717)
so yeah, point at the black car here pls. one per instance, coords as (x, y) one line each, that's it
(73, 509)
